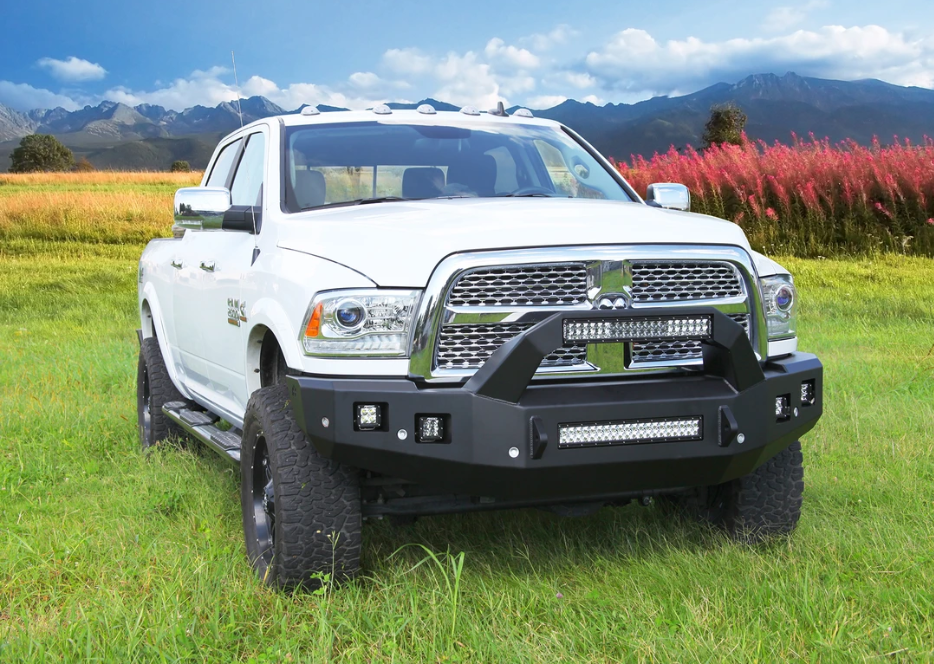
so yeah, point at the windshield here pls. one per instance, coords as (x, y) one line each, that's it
(355, 163)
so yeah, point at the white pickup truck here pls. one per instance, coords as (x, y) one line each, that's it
(403, 313)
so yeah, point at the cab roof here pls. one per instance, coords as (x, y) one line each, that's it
(442, 118)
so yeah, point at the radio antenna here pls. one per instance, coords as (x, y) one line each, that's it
(237, 81)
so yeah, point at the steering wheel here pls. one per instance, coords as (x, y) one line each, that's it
(527, 191)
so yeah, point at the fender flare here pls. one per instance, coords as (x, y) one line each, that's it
(149, 298)
(269, 315)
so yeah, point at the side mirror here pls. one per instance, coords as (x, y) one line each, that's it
(200, 208)
(669, 195)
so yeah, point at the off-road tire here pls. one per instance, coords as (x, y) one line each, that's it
(752, 508)
(316, 525)
(154, 388)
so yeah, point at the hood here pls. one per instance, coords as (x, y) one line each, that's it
(398, 244)
(765, 266)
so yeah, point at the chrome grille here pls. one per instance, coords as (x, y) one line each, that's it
(668, 351)
(668, 281)
(524, 286)
(506, 296)
(469, 346)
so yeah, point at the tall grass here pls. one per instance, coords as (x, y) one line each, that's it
(812, 197)
(100, 207)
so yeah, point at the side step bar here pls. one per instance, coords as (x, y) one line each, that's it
(201, 425)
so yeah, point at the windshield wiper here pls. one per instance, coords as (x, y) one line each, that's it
(359, 201)
(532, 195)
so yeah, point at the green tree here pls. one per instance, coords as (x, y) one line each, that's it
(41, 152)
(726, 125)
(180, 166)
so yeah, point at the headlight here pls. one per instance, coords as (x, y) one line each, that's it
(781, 302)
(359, 322)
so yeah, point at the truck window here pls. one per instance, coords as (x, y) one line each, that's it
(247, 187)
(222, 165)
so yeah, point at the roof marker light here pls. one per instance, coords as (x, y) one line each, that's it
(523, 113)
(470, 110)
(382, 109)
(426, 109)
(310, 110)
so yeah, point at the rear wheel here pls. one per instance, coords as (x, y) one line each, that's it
(154, 389)
(756, 506)
(301, 512)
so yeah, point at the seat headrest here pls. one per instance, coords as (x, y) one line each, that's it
(477, 173)
(422, 182)
(310, 188)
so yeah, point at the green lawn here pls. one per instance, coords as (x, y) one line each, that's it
(109, 556)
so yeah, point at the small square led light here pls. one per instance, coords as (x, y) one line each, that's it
(808, 393)
(783, 407)
(369, 417)
(430, 429)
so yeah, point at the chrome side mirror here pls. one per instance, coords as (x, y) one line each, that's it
(669, 195)
(200, 208)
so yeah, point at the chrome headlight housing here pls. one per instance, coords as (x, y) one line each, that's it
(361, 322)
(780, 300)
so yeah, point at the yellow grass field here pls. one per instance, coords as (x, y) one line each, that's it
(99, 207)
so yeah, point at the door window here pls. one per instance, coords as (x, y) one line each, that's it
(225, 159)
(247, 187)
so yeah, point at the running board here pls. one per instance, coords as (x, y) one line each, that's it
(201, 425)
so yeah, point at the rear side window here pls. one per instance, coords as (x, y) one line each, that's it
(247, 187)
(225, 159)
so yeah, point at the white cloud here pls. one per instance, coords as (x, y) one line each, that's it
(635, 62)
(577, 79)
(631, 66)
(73, 70)
(519, 58)
(789, 16)
(562, 34)
(24, 97)
(364, 79)
(545, 101)
(407, 61)
(464, 79)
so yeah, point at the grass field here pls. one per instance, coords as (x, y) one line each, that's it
(108, 556)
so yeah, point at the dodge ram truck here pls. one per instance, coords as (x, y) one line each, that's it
(399, 313)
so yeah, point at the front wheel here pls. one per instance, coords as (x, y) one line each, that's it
(154, 389)
(301, 512)
(756, 506)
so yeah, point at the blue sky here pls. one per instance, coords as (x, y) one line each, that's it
(177, 54)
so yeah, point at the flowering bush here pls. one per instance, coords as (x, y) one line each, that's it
(809, 198)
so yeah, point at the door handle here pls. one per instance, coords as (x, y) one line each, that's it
(177, 265)
(207, 266)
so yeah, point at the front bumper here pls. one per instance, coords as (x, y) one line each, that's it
(499, 409)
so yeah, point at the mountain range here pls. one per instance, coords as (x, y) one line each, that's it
(115, 135)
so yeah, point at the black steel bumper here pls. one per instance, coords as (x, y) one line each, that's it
(499, 409)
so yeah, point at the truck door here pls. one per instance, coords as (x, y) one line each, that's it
(223, 262)
(189, 321)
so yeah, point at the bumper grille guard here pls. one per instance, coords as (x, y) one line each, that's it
(726, 350)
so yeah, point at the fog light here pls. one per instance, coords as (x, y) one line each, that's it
(808, 393)
(624, 432)
(430, 429)
(369, 417)
(783, 407)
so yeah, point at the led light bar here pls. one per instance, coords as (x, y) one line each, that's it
(674, 328)
(627, 432)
